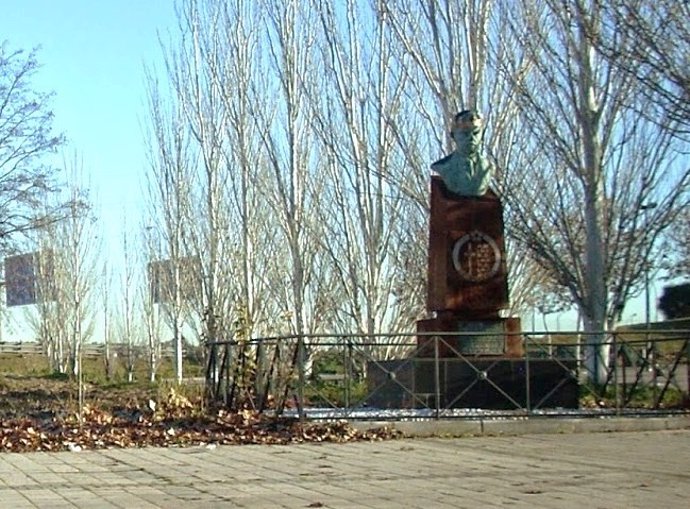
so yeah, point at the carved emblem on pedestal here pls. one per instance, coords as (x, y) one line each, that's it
(476, 257)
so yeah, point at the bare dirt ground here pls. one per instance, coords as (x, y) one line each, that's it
(44, 397)
(43, 414)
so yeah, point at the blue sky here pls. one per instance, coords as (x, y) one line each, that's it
(93, 54)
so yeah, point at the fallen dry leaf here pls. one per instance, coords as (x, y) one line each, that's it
(44, 424)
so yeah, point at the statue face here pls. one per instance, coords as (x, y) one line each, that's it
(466, 131)
(467, 138)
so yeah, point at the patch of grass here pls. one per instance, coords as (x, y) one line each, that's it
(94, 368)
(330, 393)
(56, 375)
(642, 397)
(34, 365)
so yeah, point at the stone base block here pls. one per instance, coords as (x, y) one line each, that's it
(488, 383)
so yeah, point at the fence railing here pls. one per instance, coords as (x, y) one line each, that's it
(88, 349)
(436, 375)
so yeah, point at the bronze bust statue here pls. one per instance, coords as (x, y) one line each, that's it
(464, 171)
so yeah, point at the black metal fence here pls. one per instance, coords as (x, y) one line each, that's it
(396, 376)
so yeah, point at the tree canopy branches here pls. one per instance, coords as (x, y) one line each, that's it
(26, 137)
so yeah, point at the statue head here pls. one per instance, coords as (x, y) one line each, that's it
(467, 120)
(466, 131)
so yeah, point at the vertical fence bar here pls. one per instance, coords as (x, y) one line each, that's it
(300, 377)
(211, 372)
(228, 360)
(655, 380)
(437, 380)
(615, 373)
(687, 368)
(624, 373)
(528, 391)
(348, 372)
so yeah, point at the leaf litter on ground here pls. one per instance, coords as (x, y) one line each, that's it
(39, 415)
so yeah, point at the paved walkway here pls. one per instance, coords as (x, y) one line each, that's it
(596, 470)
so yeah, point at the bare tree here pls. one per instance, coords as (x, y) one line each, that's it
(51, 331)
(648, 41)
(65, 312)
(171, 180)
(129, 326)
(592, 167)
(239, 74)
(107, 312)
(209, 151)
(151, 313)
(200, 98)
(235, 73)
(215, 73)
(365, 215)
(286, 140)
(26, 137)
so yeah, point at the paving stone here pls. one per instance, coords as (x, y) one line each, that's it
(622, 469)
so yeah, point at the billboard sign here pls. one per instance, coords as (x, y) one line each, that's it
(162, 279)
(24, 276)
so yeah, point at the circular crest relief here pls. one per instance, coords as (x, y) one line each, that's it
(476, 256)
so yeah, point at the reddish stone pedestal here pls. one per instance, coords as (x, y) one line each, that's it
(467, 270)
(467, 277)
